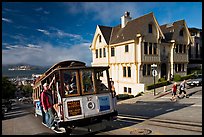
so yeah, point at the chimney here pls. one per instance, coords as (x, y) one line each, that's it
(125, 18)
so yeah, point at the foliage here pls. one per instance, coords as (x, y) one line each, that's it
(177, 78)
(27, 89)
(181, 78)
(190, 76)
(159, 84)
(124, 96)
(8, 88)
(161, 80)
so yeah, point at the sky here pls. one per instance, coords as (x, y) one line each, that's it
(44, 33)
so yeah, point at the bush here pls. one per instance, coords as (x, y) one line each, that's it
(124, 96)
(159, 84)
(161, 80)
(177, 78)
(190, 76)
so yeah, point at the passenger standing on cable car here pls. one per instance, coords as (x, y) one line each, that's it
(44, 118)
(47, 104)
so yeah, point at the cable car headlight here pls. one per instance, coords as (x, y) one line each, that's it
(91, 105)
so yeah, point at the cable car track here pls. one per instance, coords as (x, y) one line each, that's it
(181, 125)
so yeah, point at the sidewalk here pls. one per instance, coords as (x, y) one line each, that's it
(149, 95)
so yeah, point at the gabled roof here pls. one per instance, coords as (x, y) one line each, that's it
(106, 32)
(169, 29)
(131, 29)
(114, 35)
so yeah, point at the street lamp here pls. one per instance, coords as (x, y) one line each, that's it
(154, 74)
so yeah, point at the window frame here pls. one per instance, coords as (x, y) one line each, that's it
(112, 51)
(126, 48)
(96, 53)
(150, 27)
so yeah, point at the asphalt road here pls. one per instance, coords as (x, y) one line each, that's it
(155, 117)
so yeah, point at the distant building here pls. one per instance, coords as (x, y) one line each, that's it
(195, 50)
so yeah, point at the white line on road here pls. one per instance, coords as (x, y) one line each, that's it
(8, 115)
(195, 97)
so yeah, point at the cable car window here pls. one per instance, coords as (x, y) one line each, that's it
(87, 81)
(70, 83)
(101, 81)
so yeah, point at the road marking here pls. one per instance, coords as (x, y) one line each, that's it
(158, 109)
(9, 115)
(196, 106)
(170, 109)
(195, 97)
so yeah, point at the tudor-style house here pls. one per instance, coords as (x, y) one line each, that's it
(131, 47)
(174, 49)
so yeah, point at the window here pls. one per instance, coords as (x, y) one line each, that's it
(100, 52)
(146, 70)
(112, 51)
(125, 89)
(87, 81)
(179, 67)
(197, 46)
(129, 90)
(184, 48)
(124, 71)
(99, 38)
(70, 82)
(126, 48)
(150, 48)
(180, 48)
(104, 52)
(129, 72)
(145, 47)
(177, 47)
(150, 28)
(155, 48)
(97, 53)
(181, 33)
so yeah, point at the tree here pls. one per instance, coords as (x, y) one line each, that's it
(8, 88)
(27, 90)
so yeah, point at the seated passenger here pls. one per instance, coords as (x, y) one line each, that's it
(73, 89)
(67, 88)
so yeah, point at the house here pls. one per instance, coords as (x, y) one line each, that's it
(130, 48)
(174, 49)
(195, 50)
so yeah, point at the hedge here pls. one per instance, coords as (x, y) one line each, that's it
(124, 96)
(159, 84)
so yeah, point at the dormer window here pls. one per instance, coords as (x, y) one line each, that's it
(150, 28)
(99, 38)
(181, 33)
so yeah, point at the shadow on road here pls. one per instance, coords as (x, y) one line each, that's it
(143, 110)
(18, 110)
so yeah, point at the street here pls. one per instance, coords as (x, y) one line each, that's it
(137, 116)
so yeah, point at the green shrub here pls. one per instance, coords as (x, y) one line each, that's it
(159, 84)
(124, 96)
(161, 80)
(190, 76)
(177, 78)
